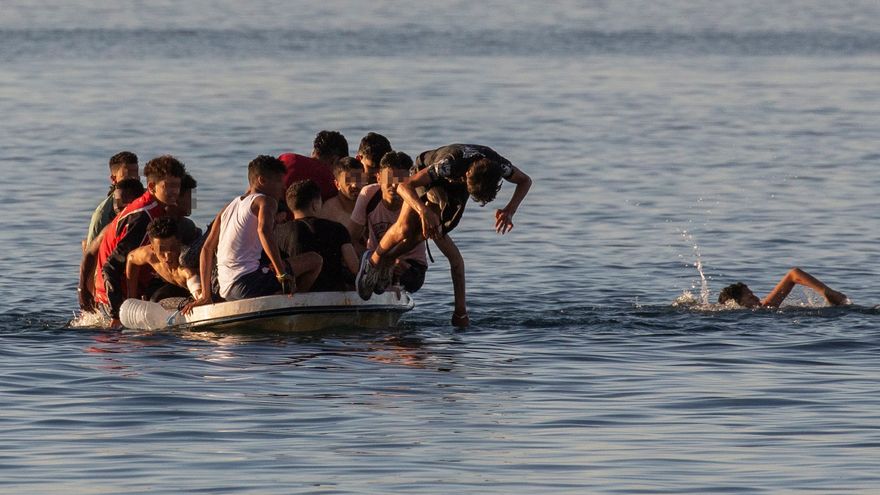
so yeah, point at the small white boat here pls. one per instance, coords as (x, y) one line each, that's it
(305, 312)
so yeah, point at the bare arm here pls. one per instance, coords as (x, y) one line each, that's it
(407, 190)
(133, 263)
(798, 276)
(206, 264)
(349, 258)
(504, 216)
(266, 208)
(447, 246)
(86, 270)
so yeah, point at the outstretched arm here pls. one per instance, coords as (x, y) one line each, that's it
(136, 259)
(504, 216)
(206, 265)
(798, 276)
(447, 246)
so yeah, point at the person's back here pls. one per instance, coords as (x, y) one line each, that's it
(327, 147)
(239, 248)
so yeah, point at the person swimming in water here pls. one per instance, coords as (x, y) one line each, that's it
(743, 296)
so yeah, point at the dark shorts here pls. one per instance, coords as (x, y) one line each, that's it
(260, 282)
(414, 277)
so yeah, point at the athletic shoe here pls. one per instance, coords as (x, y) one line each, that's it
(383, 280)
(366, 277)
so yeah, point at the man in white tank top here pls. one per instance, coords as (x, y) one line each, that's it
(241, 233)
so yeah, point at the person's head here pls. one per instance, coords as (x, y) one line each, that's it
(739, 293)
(162, 232)
(393, 169)
(483, 179)
(370, 152)
(266, 175)
(185, 202)
(126, 191)
(304, 196)
(349, 175)
(164, 174)
(329, 146)
(123, 165)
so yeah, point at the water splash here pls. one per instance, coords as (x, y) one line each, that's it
(698, 264)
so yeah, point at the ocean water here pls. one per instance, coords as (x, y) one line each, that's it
(675, 146)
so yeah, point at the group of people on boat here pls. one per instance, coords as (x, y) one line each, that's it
(325, 222)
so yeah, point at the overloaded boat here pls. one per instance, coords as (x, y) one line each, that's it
(305, 312)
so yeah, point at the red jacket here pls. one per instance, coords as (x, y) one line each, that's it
(301, 167)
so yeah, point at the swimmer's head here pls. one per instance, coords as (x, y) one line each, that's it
(741, 294)
(483, 180)
(163, 239)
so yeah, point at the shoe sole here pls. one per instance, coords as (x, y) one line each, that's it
(364, 292)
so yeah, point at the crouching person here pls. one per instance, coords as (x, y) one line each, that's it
(162, 254)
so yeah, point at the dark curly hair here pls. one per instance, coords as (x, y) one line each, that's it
(162, 228)
(163, 167)
(484, 180)
(265, 166)
(301, 193)
(373, 147)
(330, 146)
(346, 164)
(131, 186)
(188, 183)
(122, 159)
(733, 291)
(396, 160)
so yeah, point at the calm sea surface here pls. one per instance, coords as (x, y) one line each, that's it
(739, 138)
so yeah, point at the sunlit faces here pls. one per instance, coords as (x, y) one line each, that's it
(388, 180)
(167, 250)
(185, 204)
(127, 171)
(350, 182)
(371, 170)
(167, 190)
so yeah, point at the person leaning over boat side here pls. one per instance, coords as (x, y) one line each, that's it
(323, 237)
(162, 253)
(370, 152)
(327, 147)
(124, 192)
(128, 231)
(743, 296)
(377, 209)
(123, 165)
(241, 233)
(434, 200)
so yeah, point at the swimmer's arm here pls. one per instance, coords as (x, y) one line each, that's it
(447, 246)
(133, 263)
(504, 216)
(798, 276)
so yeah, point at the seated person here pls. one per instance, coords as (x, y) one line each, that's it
(328, 147)
(163, 255)
(370, 152)
(123, 165)
(325, 237)
(349, 178)
(243, 235)
(124, 192)
(187, 231)
(377, 209)
(742, 295)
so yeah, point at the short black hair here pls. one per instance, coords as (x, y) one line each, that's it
(347, 163)
(188, 183)
(733, 291)
(396, 160)
(131, 186)
(163, 167)
(122, 159)
(373, 147)
(330, 145)
(264, 166)
(301, 193)
(162, 228)
(484, 180)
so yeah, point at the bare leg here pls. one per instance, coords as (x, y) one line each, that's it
(399, 239)
(798, 276)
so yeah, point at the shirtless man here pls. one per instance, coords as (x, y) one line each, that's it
(742, 295)
(163, 255)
